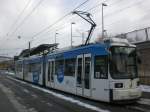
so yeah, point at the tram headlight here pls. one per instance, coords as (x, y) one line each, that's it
(118, 85)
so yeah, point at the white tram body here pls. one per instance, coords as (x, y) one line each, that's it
(104, 71)
(19, 69)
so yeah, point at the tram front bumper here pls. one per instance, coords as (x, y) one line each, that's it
(126, 94)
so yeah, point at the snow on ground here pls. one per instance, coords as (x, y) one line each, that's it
(144, 101)
(70, 99)
(10, 73)
(145, 88)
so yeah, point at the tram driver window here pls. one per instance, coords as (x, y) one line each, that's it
(100, 67)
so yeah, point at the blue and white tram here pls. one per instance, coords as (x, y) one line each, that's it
(33, 70)
(105, 72)
(102, 71)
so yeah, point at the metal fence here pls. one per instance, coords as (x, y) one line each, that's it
(137, 35)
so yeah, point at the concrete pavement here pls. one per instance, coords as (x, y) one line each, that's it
(23, 97)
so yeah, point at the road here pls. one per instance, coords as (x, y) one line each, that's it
(19, 96)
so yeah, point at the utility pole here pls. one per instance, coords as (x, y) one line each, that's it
(71, 32)
(103, 4)
(82, 37)
(29, 47)
(146, 33)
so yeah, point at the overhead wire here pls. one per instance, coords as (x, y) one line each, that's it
(74, 9)
(51, 24)
(66, 16)
(60, 19)
(120, 10)
(128, 7)
(27, 16)
(18, 17)
(95, 6)
(10, 49)
(78, 6)
(85, 10)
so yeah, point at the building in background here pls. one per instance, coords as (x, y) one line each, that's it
(144, 68)
(6, 63)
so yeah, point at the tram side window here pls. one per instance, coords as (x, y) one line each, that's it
(59, 65)
(51, 71)
(35, 67)
(19, 67)
(70, 67)
(32, 67)
(48, 76)
(100, 67)
(26, 68)
(29, 68)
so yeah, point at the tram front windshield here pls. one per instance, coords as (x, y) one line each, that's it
(123, 62)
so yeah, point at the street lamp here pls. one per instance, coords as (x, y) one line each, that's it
(105, 33)
(103, 5)
(55, 36)
(71, 32)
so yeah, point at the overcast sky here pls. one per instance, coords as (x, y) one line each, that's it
(120, 16)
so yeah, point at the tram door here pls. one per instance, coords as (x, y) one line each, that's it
(51, 72)
(83, 72)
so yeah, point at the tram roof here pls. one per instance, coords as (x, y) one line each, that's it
(96, 48)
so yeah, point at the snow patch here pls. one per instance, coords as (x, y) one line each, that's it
(145, 88)
(137, 108)
(144, 101)
(10, 73)
(26, 91)
(70, 99)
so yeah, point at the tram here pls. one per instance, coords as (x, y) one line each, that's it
(105, 71)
